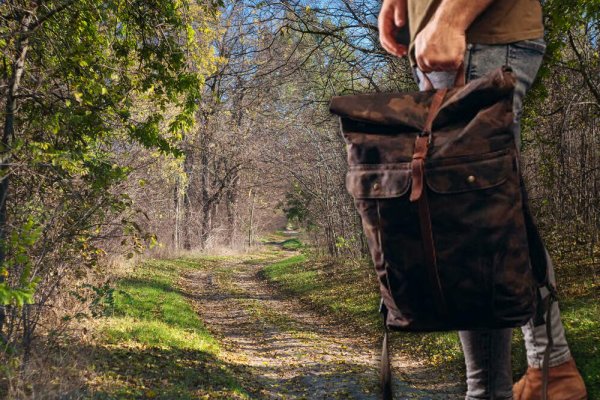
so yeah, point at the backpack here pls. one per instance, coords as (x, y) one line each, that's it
(435, 176)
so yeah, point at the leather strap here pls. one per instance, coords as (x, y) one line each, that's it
(387, 392)
(419, 193)
(537, 252)
(537, 257)
(430, 256)
(422, 145)
(434, 108)
(418, 167)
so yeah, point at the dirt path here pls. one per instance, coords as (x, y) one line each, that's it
(282, 350)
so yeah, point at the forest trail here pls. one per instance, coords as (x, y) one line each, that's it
(281, 349)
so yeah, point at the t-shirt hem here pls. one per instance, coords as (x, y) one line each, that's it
(505, 38)
(492, 39)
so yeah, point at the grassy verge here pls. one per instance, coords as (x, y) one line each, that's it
(581, 318)
(349, 291)
(154, 345)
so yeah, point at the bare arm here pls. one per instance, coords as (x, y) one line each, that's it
(441, 45)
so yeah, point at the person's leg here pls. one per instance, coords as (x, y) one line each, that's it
(536, 338)
(525, 58)
(487, 358)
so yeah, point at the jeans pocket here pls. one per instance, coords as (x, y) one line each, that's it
(533, 45)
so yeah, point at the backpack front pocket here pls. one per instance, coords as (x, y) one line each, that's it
(482, 257)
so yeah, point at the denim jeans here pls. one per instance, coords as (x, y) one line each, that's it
(487, 353)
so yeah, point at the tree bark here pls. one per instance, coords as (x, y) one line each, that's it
(188, 167)
(18, 68)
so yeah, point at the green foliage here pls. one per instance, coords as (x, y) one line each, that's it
(17, 259)
(297, 204)
(562, 18)
(102, 300)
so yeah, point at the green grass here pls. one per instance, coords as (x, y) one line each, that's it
(291, 244)
(280, 238)
(155, 346)
(349, 291)
(581, 318)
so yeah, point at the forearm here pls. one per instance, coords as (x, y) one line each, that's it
(459, 14)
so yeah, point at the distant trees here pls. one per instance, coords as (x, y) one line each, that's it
(562, 137)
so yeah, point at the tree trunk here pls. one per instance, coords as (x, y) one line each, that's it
(188, 168)
(205, 200)
(251, 227)
(21, 48)
(205, 227)
(231, 199)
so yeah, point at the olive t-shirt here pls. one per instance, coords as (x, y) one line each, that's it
(504, 21)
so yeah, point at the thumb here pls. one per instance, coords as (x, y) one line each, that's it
(400, 14)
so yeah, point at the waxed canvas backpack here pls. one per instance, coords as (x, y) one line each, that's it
(435, 178)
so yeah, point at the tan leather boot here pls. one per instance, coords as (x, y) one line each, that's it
(564, 383)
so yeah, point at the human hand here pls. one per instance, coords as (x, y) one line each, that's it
(440, 46)
(392, 17)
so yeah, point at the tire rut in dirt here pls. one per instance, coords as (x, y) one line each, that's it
(279, 348)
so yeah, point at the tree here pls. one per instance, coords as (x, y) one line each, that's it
(126, 72)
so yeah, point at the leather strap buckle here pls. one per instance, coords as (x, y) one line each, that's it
(428, 134)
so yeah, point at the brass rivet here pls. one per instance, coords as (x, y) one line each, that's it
(376, 186)
(471, 179)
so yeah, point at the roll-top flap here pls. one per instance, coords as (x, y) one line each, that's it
(410, 109)
(378, 181)
(390, 109)
(469, 175)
